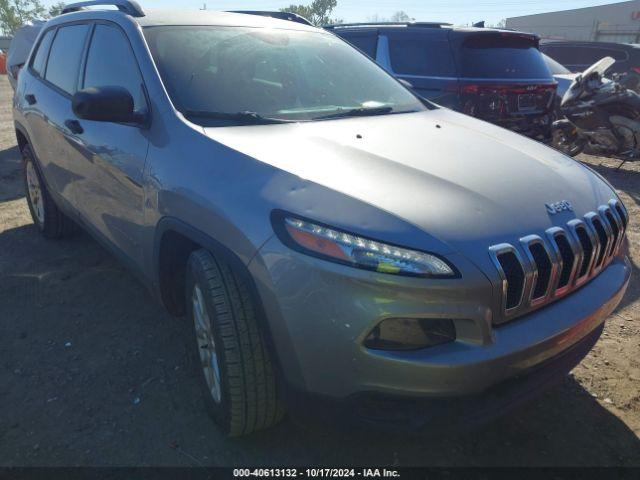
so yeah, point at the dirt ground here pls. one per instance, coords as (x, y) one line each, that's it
(93, 372)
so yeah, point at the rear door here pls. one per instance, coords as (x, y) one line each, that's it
(111, 156)
(49, 97)
(422, 57)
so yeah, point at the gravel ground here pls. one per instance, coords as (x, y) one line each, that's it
(93, 372)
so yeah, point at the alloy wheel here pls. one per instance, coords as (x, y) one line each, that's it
(34, 191)
(206, 344)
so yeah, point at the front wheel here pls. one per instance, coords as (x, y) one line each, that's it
(234, 364)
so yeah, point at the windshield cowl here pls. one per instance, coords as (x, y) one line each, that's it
(241, 117)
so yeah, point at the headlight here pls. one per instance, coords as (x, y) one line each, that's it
(342, 247)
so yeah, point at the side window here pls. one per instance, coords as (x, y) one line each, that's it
(40, 57)
(420, 54)
(64, 59)
(366, 42)
(111, 63)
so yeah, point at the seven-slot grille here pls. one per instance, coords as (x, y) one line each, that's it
(544, 269)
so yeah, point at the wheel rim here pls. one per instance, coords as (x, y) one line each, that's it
(34, 191)
(561, 142)
(206, 344)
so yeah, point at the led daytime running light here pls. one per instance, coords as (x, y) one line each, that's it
(364, 253)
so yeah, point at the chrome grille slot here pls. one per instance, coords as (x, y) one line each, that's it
(603, 240)
(540, 269)
(510, 266)
(615, 230)
(587, 249)
(568, 260)
(543, 268)
(622, 214)
(515, 278)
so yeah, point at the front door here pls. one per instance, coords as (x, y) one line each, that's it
(111, 156)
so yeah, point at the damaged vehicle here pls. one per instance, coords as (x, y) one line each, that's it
(324, 235)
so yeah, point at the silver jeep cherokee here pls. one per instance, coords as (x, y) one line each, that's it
(326, 234)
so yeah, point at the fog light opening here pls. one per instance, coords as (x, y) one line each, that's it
(410, 333)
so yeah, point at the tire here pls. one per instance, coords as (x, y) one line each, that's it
(220, 310)
(567, 142)
(51, 222)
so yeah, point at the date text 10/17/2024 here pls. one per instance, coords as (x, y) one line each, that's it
(315, 472)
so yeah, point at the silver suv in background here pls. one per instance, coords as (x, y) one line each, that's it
(323, 232)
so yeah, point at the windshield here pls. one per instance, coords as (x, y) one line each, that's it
(502, 56)
(234, 75)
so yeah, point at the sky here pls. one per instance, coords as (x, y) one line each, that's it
(458, 12)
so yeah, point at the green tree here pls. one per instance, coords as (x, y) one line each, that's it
(14, 13)
(55, 9)
(318, 12)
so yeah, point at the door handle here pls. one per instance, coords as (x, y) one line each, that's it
(30, 98)
(74, 126)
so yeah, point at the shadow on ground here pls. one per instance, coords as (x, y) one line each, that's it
(10, 173)
(621, 178)
(93, 372)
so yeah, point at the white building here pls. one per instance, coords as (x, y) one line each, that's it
(615, 22)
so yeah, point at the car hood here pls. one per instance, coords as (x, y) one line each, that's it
(468, 183)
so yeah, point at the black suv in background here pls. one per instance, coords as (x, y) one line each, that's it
(496, 75)
(578, 56)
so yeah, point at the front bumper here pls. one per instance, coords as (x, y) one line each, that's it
(319, 313)
(410, 414)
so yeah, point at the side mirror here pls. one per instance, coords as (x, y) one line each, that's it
(106, 104)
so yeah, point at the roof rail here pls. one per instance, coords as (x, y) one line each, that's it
(292, 17)
(389, 24)
(130, 7)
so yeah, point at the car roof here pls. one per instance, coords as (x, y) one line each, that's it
(419, 26)
(445, 28)
(347, 26)
(154, 18)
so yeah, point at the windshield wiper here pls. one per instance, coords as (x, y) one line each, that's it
(357, 112)
(244, 117)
